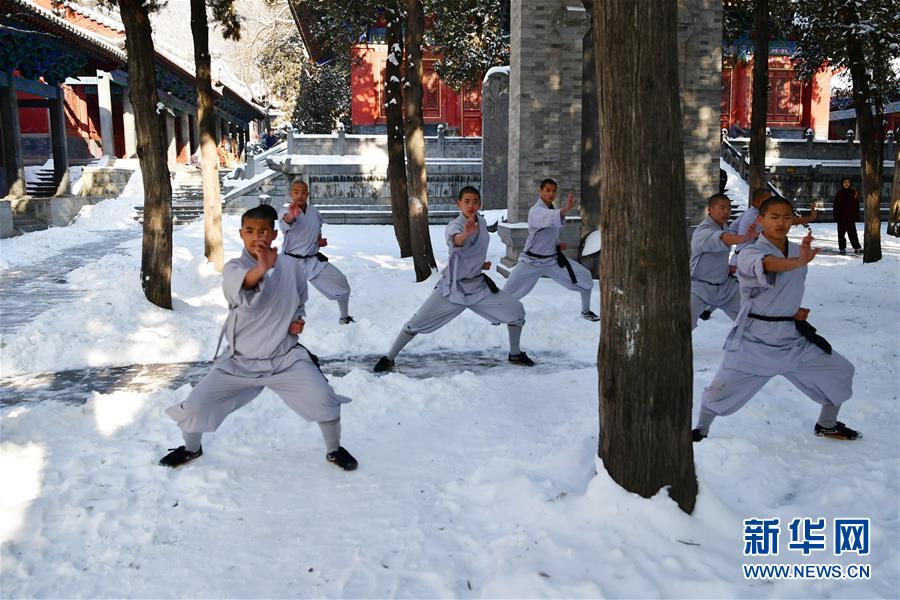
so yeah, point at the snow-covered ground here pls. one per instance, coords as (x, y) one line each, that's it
(477, 483)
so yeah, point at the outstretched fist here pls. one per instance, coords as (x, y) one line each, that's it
(296, 327)
(807, 252)
(471, 226)
(265, 254)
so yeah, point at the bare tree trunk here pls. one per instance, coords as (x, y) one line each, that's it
(644, 359)
(590, 136)
(760, 101)
(156, 254)
(396, 154)
(868, 139)
(420, 238)
(206, 123)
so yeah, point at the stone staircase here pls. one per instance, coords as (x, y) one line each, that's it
(43, 187)
(187, 195)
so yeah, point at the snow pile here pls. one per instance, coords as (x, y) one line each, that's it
(91, 224)
(736, 188)
(478, 482)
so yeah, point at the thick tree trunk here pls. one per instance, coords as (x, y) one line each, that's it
(396, 154)
(156, 255)
(206, 123)
(590, 136)
(760, 101)
(644, 359)
(868, 140)
(420, 238)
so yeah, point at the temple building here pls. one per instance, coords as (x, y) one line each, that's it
(794, 105)
(64, 95)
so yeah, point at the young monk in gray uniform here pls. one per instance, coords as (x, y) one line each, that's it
(266, 296)
(302, 228)
(463, 285)
(543, 253)
(742, 224)
(772, 337)
(712, 286)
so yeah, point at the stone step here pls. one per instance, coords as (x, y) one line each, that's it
(379, 217)
(27, 224)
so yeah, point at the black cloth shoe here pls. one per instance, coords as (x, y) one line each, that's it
(342, 458)
(521, 359)
(590, 315)
(705, 315)
(838, 432)
(697, 435)
(383, 364)
(179, 456)
(842, 251)
(346, 320)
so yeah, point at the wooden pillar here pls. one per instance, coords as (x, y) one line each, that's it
(171, 142)
(104, 99)
(58, 143)
(185, 141)
(128, 125)
(195, 129)
(12, 140)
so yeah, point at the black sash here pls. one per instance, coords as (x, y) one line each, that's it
(561, 260)
(803, 328)
(711, 283)
(490, 283)
(321, 257)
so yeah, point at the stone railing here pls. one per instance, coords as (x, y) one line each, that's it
(806, 149)
(340, 143)
(804, 180)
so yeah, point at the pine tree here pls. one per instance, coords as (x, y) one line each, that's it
(862, 37)
(644, 364)
(323, 99)
(150, 125)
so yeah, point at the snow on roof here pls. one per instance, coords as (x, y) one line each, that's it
(98, 40)
(95, 15)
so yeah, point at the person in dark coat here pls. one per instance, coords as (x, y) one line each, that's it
(846, 214)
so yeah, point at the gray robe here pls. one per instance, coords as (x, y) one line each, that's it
(740, 226)
(756, 351)
(462, 285)
(260, 352)
(301, 237)
(711, 284)
(544, 224)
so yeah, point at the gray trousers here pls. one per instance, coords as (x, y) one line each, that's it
(331, 283)
(301, 386)
(827, 379)
(731, 308)
(437, 311)
(525, 276)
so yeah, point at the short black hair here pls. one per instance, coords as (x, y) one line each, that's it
(760, 193)
(263, 211)
(296, 180)
(547, 182)
(765, 206)
(843, 179)
(468, 190)
(716, 197)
